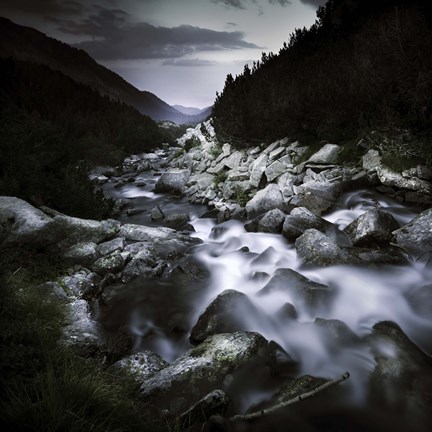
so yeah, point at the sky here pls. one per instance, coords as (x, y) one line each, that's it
(181, 50)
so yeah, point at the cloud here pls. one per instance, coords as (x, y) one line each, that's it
(188, 62)
(240, 4)
(46, 8)
(113, 36)
(314, 3)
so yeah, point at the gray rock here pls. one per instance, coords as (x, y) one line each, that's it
(233, 161)
(21, 223)
(112, 263)
(290, 389)
(141, 366)
(276, 153)
(202, 369)
(318, 197)
(374, 227)
(173, 181)
(82, 331)
(326, 155)
(143, 263)
(271, 222)
(157, 214)
(416, 236)
(179, 222)
(257, 169)
(371, 160)
(314, 247)
(144, 233)
(286, 312)
(391, 178)
(274, 170)
(337, 331)
(225, 314)
(265, 200)
(403, 373)
(301, 219)
(213, 403)
(108, 247)
(87, 230)
(83, 253)
(311, 294)
(80, 284)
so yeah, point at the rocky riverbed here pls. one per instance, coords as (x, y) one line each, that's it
(230, 281)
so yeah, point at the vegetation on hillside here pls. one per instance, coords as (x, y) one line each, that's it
(53, 129)
(363, 66)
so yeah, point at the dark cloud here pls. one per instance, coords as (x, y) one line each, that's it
(46, 8)
(188, 62)
(314, 3)
(240, 4)
(115, 37)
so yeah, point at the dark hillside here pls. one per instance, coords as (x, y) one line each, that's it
(363, 65)
(52, 128)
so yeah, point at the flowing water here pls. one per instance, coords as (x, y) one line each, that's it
(236, 259)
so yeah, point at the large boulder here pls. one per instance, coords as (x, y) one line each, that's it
(87, 230)
(314, 247)
(203, 369)
(316, 196)
(23, 224)
(402, 378)
(416, 236)
(82, 253)
(265, 200)
(173, 181)
(374, 227)
(301, 219)
(311, 295)
(225, 314)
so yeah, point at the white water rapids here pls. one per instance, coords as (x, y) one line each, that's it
(245, 262)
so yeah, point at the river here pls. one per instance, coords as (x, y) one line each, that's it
(245, 262)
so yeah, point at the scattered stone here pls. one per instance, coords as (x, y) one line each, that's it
(372, 228)
(328, 154)
(311, 294)
(179, 222)
(214, 403)
(371, 160)
(416, 236)
(225, 314)
(301, 219)
(337, 331)
(108, 247)
(257, 169)
(271, 222)
(112, 263)
(173, 181)
(141, 366)
(83, 253)
(265, 200)
(391, 178)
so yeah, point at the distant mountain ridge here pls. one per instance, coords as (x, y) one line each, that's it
(28, 44)
(190, 110)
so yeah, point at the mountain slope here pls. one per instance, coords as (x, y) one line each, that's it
(363, 66)
(28, 44)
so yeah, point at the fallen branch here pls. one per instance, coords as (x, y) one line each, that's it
(273, 409)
